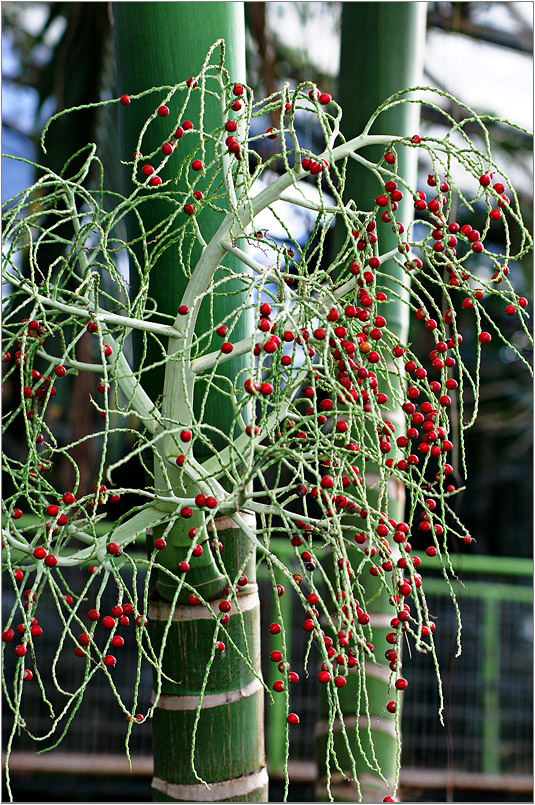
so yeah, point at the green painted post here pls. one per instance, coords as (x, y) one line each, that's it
(491, 691)
(275, 744)
(219, 754)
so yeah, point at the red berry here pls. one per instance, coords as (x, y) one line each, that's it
(21, 650)
(51, 560)
(93, 614)
(401, 684)
(278, 686)
(155, 181)
(8, 635)
(113, 548)
(16, 514)
(324, 98)
(183, 566)
(110, 661)
(220, 646)
(124, 100)
(117, 641)
(340, 681)
(163, 111)
(39, 552)
(237, 90)
(197, 165)
(185, 435)
(275, 628)
(108, 622)
(147, 170)
(485, 338)
(60, 371)
(391, 707)
(226, 347)
(189, 209)
(292, 719)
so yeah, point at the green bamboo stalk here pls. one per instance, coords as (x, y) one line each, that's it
(381, 53)
(207, 730)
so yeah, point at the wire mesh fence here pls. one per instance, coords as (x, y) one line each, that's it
(488, 690)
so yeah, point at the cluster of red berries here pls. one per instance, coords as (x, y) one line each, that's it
(21, 649)
(169, 145)
(120, 617)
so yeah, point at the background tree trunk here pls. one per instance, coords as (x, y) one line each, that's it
(382, 51)
(160, 43)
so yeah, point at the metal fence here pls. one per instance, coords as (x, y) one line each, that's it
(488, 690)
